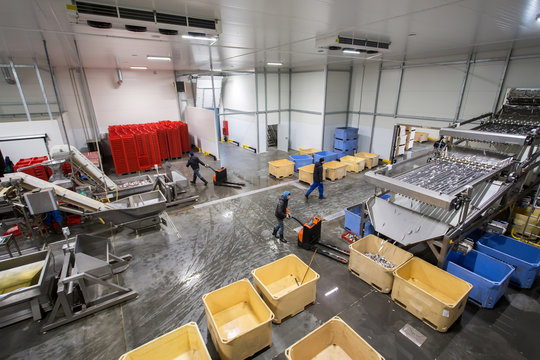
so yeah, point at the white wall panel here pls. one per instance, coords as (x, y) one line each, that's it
(388, 91)
(29, 148)
(481, 89)
(382, 137)
(273, 118)
(431, 90)
(337, 86)
(306, 130)
(331, 122)
(307, 91)
(272, 88)
(262, 135)
(369, 88)
(202, 129)
(242, 128)
(239, 92)
(143, 97)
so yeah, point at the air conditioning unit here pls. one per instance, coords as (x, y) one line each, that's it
(147, 23)
(342, 42)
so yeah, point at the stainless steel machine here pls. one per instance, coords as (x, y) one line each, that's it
(484, 166)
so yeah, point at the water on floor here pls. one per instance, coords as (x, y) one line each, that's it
(222, 241)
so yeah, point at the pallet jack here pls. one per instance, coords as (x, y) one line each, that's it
(309, 238)
(220, 178)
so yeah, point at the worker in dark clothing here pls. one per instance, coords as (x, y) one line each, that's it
(281, 213)
(2, 164)
(194, 163)
(9, 165)
(317, 179)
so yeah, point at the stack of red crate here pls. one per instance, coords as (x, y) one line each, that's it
(41, 172)
(141, 146)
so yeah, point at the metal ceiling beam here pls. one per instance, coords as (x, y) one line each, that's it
(43, 90)
(19, 87)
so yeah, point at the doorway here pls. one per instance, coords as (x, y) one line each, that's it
(272, 135)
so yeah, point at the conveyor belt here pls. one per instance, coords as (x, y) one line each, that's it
(444, 176)
(514, 129)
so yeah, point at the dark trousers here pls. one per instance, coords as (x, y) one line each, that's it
(313, 186)
(196, 175)
(279, 227)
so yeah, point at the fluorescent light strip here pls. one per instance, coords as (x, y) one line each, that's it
(138, 67)
(331, 291)
(351, 52)
(274, 64)
(164, 58)
(204, 38)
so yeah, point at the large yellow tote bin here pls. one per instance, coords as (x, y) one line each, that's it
(184, 343)
(354, 164)
(372, 160)
(372, 272)
(279, 283)
(281, 168)
(331, 341)
(335, 170)
(239, 321)
(309, 151)
(429, 293)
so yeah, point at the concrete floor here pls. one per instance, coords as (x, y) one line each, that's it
(222, 241)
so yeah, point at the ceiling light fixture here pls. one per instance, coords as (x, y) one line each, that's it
(138, 67)
(163, 58)
(198, 37)
(274, 63)
(538, 18)
(349, 51)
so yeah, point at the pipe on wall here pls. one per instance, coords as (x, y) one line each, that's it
(7, 76)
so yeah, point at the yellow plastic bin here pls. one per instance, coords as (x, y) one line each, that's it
(184, 343)
(335, 170)
(371, 271)
(429, 293)
(309, 151)
(332, 340)
(372, 160)
(281, 286)
(305, 173)
(354, 164)
(281, 168)
(239, 321)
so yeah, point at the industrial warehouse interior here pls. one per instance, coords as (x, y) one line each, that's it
(302, 179)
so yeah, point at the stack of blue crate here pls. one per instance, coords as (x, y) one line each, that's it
(345, 141)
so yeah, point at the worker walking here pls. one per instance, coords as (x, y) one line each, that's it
(194, 163)
(281, 213)
(317, 179)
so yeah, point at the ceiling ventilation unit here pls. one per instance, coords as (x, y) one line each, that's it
(135, 20)
(341, 42)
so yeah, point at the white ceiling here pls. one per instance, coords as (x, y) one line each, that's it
(257, 31)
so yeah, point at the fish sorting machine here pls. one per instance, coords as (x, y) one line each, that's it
(486, 164)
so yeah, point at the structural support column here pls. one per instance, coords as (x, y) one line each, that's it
(257, 110)
(399, 88)
(216, 111)
(279, 94)
(349, 96)
(325, 85)
(265, 109)
(501, 80)
(43, 91)
(19, 87)
(375, 108)
(290, 106)
(463, 85)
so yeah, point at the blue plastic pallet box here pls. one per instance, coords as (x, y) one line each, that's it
(342, 153)
(345, 144)
(300, 160)
(353, 218)
(346, 133)
(524, 257)
(327, 155)
(488, 276)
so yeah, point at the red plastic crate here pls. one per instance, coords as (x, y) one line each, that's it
(130, 151)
